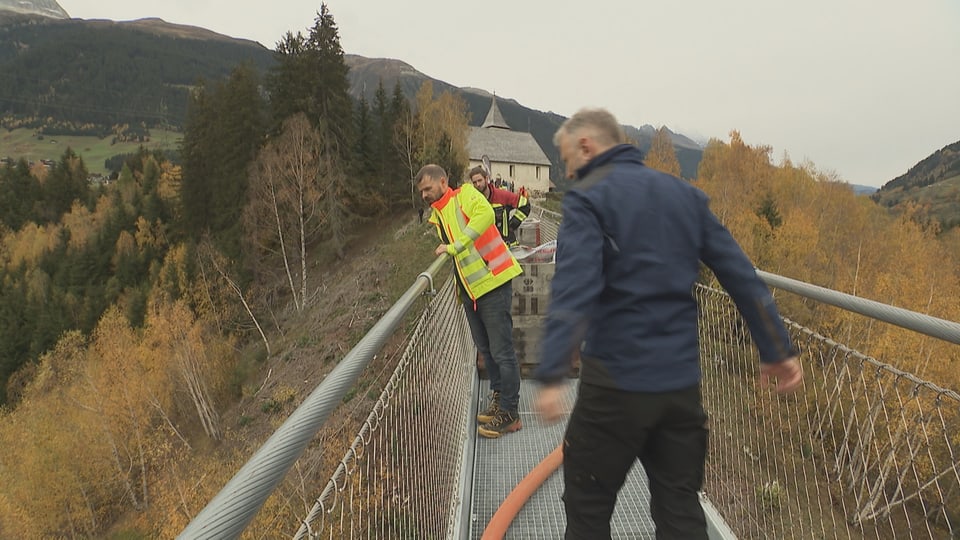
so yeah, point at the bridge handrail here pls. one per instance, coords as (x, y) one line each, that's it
(911, 320)
(232, 509)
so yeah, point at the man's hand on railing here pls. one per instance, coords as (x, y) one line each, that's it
(788, 373)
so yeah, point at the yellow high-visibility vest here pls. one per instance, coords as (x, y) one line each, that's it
(482, 259)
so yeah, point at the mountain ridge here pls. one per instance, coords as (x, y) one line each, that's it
(27, 27)
(931, 188)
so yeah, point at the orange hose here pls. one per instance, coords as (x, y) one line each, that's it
(511, 506)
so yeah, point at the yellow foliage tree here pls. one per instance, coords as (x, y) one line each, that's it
(27, 245)
(735, 175)
(192, 356)
(825, 234)
(442, 131)
(662, 156)
(54, 485)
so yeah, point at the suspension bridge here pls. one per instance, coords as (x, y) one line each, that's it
(865, 450)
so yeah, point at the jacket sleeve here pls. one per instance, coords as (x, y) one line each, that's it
(479, 216)
(721, 253)
(521, 210)
(575, 289)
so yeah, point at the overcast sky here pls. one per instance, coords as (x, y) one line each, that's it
(862, 88)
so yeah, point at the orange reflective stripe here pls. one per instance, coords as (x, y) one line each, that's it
(501, 262)
(489, 240)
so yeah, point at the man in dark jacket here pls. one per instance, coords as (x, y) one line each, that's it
(628, 255)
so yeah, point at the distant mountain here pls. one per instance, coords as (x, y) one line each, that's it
(84, 76)
(863, 190)
(933, 185)
(75, 76)
(43, 8)
(366, 74)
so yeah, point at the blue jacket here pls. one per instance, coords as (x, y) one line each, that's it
(628, 254)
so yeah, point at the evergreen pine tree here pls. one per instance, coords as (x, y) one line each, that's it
(19, 193)
(66, 183)
(331, 92)
(225, 127)
(289, 81)
(196, 153)
(364, 158)
(383, 127)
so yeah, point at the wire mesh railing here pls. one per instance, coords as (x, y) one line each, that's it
(403, 476)
(232, 509)
(549, 223)
(864, 451)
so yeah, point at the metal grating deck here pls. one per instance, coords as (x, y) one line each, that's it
(500, 464)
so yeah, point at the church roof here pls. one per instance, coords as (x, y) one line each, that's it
(505, 145)
(497, 141)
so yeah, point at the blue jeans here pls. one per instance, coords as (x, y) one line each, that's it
(492, 328)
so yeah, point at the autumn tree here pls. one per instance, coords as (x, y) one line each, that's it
(53, 486)
(662, 156)
(285, 215)
(443, 123)
(193, 358)
(406, 144)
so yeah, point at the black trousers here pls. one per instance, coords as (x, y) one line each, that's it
(608, 431)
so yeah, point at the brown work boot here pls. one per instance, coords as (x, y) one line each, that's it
(503, 422)
(492, 409)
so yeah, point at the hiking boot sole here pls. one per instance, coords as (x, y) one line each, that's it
(485, 418)
(492, 434)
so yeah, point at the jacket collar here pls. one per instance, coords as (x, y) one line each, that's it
(619, 153)
(442, 201)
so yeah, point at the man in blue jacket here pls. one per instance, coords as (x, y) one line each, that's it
(628, 255)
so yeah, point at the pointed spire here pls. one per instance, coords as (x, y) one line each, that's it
(494, 118)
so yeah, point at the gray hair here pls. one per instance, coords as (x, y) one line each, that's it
(432, 171)
(599, 124)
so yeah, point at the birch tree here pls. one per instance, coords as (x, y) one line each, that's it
(284, 215)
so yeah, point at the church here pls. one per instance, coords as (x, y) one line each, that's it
(515, 156)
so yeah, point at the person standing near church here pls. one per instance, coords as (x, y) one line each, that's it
(484, 269)
(510, 209)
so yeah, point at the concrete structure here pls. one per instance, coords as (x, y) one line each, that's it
(514, 156)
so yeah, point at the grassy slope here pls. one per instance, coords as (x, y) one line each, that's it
(22, 143)
(941, 200)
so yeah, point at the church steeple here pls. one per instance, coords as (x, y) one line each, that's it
(494, 118)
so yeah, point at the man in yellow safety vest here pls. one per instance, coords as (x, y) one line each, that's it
(484, 269)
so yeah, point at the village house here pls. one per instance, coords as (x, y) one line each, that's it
(515, 156)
